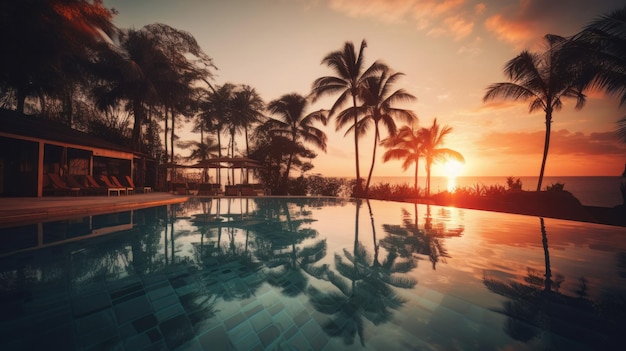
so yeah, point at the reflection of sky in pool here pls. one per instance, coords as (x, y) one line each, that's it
(268, 273)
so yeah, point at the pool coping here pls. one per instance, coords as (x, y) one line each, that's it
(16, 211)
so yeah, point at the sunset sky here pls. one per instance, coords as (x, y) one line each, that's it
(449, 51)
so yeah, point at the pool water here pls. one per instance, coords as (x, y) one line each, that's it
(311, 274)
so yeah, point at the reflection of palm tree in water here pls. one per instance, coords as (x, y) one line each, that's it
(368, 295)
(538, 309)
(289, 268)
(409, 239)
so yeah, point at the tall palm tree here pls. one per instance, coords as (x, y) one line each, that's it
(405, 145)
(543, 79)
(350, 77)
(216, 110)
(378, 101)
(46, 43)
(432, 140)
(247, 110)
(128, 74)
(605, 42)
(293, 123)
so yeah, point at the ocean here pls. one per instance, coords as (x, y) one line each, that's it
(590, 191)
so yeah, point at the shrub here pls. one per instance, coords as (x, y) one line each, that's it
(323, 186)
(555, 187)
(494, 190)
(514, 184)
(298, 186)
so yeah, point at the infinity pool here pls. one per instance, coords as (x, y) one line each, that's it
(311, 274)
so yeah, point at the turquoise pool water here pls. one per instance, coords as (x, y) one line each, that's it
(311, 274)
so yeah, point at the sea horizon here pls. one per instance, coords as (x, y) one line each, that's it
(602, 191)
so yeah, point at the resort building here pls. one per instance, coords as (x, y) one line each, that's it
(31, 148)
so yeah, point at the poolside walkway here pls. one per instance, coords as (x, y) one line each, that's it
(17, 210)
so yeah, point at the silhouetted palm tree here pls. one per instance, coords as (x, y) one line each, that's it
(432, 140)
(378, 106)
(350, 76)
(292, 123)
(247, 110)
(544, 79)
(605, 42)
(405, 145)
(47, 44)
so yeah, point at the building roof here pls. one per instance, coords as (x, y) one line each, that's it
(12, 122)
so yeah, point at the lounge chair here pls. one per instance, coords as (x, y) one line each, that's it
(74, 183)
(109, 184)
(92, 183)
(61, 186)
(231, 190)
(115, 181)
(146, 189)
(208, 189)
(247, 190)
(180, 188)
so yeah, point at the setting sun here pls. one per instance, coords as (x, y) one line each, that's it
(452, 168)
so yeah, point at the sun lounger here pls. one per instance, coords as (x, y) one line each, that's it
(112, 187)
(231, 190)
(74, 183)
(208, 189)
(146, 189)
(91, 181)
(61, 186)
(116, 182)
(247, 190)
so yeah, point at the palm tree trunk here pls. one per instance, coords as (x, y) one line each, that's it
(369, 176)
(428, 164)
(546, 145)
(172, 134)
(417, 162)
(219, 154)
(358, 190)
(283, 185)
(139, 118)
(165, 131)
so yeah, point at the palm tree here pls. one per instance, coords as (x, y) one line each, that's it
(247, 106)
(405, 145)
(432, 140)
(544, 79)
(47, 43)
(216, 110)
(605, 42)
(378, 101)
(350, 77)
(128, 74)
(292, 123)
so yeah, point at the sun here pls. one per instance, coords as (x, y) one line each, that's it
(452, 168)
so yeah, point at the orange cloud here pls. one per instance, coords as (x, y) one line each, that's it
(517, 33)
(562, 142)
(426, 13)
(459, 27)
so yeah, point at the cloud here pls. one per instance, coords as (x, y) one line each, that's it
(523, 23)
(562, 142)
(519, 33)
(384, 10)
(435, 17)
(459, 27)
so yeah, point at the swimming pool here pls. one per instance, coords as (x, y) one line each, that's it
(311, 274)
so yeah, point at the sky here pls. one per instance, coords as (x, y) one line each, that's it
(450, 51)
